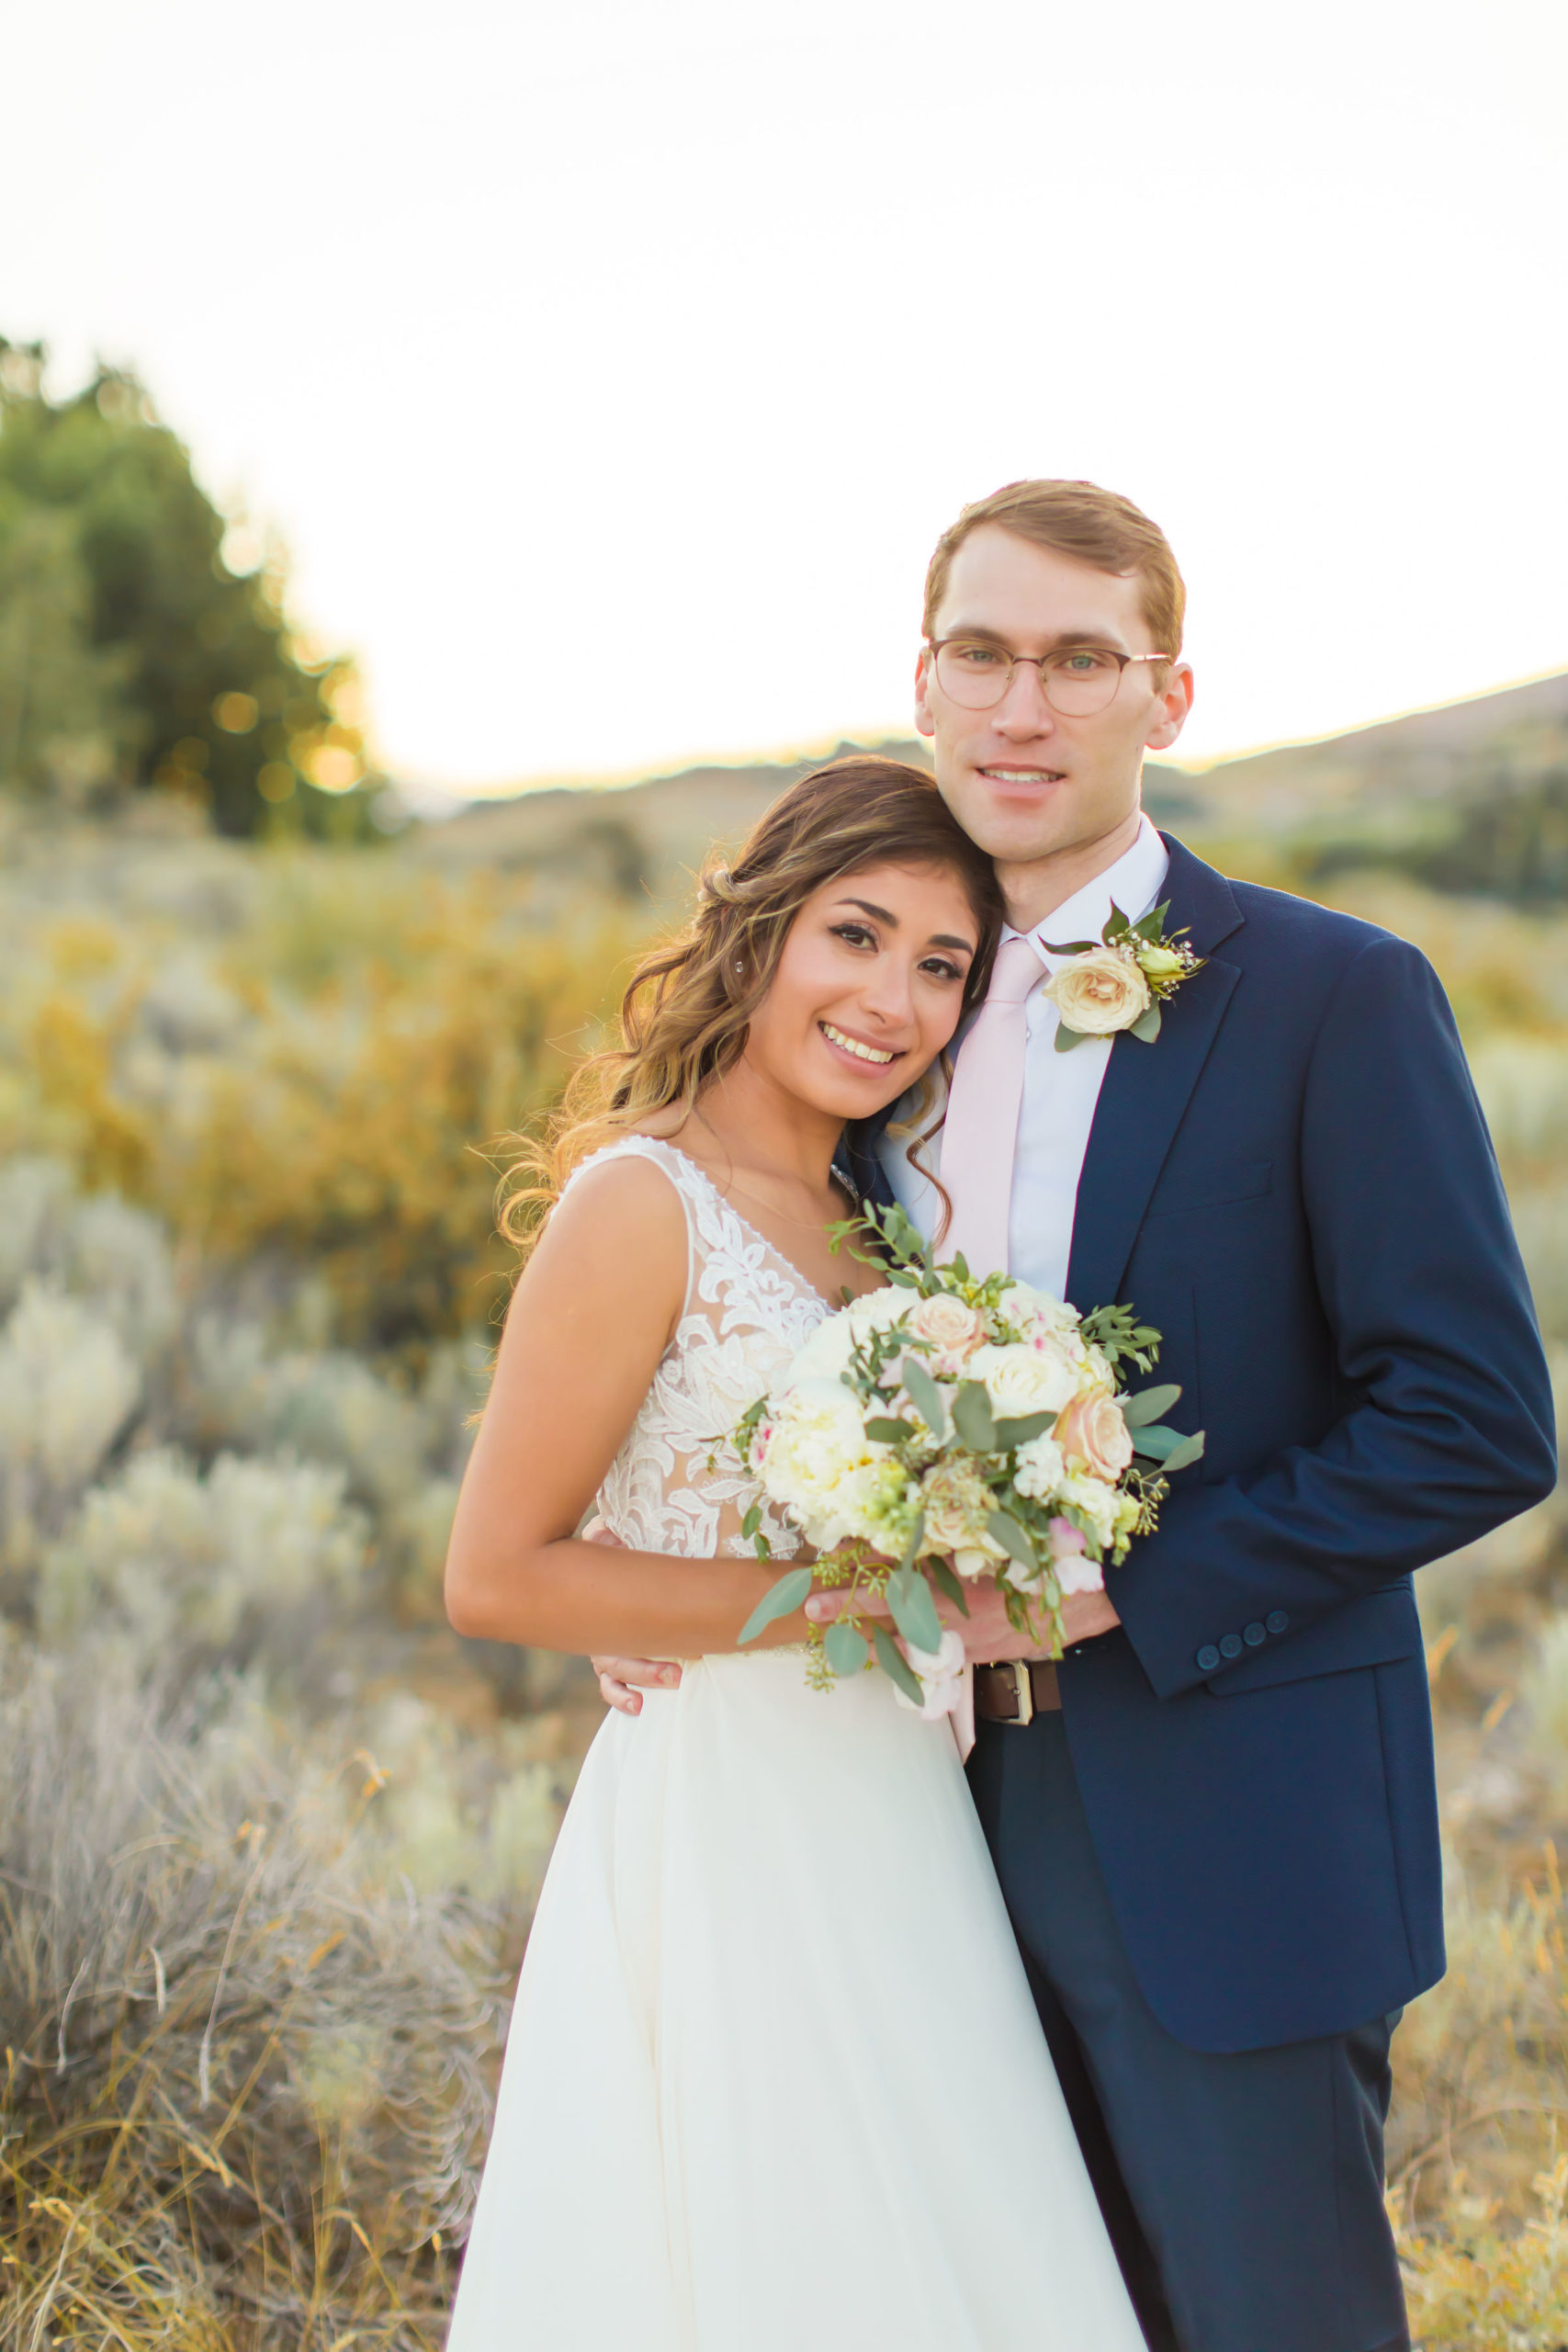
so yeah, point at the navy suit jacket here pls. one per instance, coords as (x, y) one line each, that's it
(1295, 1184)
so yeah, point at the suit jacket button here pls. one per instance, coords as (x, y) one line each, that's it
(1208, 1659)
(1276, 1621)
(1252, 1635)
(1231, 1645)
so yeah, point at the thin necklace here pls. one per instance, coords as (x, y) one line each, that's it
(806, 1224)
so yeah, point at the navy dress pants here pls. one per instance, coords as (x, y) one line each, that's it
(1244, 2191)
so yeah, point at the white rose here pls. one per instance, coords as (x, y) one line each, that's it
(875, 1310)
(825, 1352)
(1099, 992)
(940, 1673)
(1030, 1376)
(1041, 1469)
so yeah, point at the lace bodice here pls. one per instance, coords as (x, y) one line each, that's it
(746, 1313)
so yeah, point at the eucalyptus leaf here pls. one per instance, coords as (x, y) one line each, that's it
(846, 1647)
(949, 1582)
(1146, 1026)
(914, 1610)
(895, 1665)
(1012, 1537)
(926, 1396)
(785, 1596)
(1156, 1441)
(753, 1521)
(1019, 1430)
(1190, 1450)
(1067, 1038)
(1149, 1404)
(972, 1417)
(887, 1431)
(917, 1537)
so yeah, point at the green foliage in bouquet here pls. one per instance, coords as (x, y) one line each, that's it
(961, 1434)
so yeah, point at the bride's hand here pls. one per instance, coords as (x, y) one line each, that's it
(622, 1680)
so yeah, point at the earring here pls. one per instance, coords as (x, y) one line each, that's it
(741, 963)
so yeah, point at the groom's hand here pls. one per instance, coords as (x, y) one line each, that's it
(988, 1636)
(988, 1633)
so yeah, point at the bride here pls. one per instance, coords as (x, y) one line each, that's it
(774, 2076)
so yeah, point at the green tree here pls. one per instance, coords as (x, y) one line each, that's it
(132, 655)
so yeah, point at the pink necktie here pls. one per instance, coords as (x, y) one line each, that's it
(980, 1135)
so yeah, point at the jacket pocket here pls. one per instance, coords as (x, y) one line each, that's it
(1375, 1631)
(1214, 1188)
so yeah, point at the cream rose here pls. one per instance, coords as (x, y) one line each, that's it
(1099, 992)
(951, 1330)
(1031, 1376)
(958, 1503)
(1093, 1427)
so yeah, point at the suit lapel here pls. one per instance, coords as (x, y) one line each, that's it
(1147, 1088)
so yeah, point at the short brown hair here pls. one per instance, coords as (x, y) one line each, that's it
(1078, 519)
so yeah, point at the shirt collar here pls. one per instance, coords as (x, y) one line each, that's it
(1134, 882)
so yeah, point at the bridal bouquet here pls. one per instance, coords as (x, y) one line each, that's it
(941, 1429)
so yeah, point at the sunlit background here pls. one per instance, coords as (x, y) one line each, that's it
(610, 370)
(582, 391)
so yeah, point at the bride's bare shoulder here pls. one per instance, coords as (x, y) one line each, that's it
(621, 1202)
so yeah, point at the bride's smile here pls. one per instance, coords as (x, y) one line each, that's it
(867, 991)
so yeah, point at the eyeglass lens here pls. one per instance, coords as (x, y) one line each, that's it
(1077, 681)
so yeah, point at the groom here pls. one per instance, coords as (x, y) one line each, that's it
(1215, 1822)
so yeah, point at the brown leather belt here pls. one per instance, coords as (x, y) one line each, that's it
(1016, 1692)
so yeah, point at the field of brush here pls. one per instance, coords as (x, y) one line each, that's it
(269, 1834)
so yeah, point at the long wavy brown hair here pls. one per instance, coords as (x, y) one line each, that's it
(685, 1016)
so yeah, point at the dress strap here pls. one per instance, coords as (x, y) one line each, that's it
(687, 1179)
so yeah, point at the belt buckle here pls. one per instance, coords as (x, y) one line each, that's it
(1023, 1685)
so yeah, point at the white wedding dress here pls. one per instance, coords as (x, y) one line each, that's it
(774, 2079)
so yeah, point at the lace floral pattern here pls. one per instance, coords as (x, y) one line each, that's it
(747, 1312)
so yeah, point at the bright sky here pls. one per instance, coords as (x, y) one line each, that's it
(610, 369)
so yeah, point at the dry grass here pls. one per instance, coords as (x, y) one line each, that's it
(266, 1850)
(247, 2061)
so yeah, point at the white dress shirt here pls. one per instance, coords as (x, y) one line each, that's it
(1060, 1090)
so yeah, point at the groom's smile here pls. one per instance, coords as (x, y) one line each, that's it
(1010, 779)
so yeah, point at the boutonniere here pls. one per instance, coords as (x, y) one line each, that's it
(1122, 982)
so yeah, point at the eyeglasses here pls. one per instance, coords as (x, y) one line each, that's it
(1076, 679)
